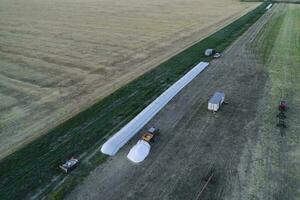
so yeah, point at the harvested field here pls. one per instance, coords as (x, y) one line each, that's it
(251, 157)
(59, 57)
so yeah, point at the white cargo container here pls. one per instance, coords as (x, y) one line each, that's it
(269, 7)
(209, 52)
(216, 101)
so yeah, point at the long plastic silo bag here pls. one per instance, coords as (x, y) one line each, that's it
(119, 139)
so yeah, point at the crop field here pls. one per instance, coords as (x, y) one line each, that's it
(59, 57)
(82, 135)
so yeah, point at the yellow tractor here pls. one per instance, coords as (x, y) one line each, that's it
(151, 135)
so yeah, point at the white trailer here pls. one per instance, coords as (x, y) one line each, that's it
(209, 52)
(269, 6)
(216, 101)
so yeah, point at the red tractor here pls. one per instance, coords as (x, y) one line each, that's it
(282, 106)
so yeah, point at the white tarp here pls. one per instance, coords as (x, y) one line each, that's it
(119, 139)
(139, 151)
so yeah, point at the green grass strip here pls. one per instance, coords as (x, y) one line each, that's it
(34, 167)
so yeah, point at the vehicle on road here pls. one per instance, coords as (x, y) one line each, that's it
(213, 53)
(151, 135)
(209, 52)
(217, 55)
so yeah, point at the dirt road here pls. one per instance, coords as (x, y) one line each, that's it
(193, 140)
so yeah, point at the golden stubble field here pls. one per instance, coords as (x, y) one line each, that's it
(58, 57)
